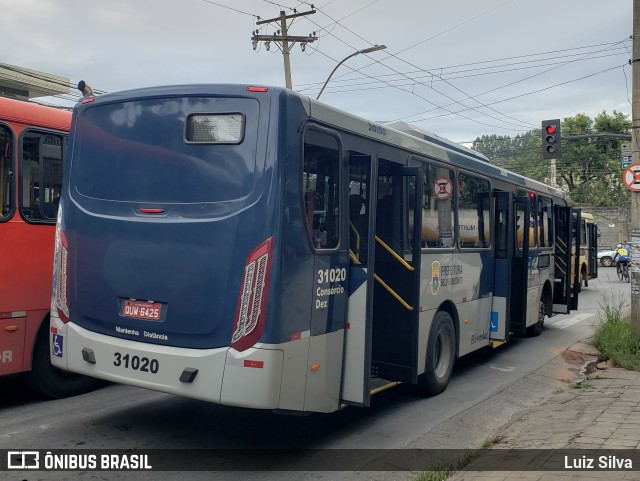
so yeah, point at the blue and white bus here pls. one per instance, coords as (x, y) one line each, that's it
(252, 247)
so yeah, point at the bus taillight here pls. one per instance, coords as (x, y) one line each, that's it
(252, 300)
(61, 262)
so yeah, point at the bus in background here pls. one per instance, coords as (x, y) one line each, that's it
(32, 141)
(250, 246)
(587, 261)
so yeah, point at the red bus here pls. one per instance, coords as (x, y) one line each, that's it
(32, 141)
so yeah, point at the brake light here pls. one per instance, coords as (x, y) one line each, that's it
(251, 311)
(60, 301)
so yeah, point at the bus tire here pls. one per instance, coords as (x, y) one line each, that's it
(536, 329)
(51, 382)
(441, 354)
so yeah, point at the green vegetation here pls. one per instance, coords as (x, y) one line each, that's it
(589, 169)
(614, 338)
(582, 385)
(443, 472)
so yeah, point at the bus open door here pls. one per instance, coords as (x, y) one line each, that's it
(397, 275)
(592, 250)
(565, 295)
(503, 252)
(382, 334)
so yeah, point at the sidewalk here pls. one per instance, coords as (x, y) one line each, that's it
(599, 412)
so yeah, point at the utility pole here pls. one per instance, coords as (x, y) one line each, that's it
(282, 39)
(553, 173)
(634, 225)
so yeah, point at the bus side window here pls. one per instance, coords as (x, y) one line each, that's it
(437, 208)
(545, 222)
(473, 211)
(320, 185)
(309, 207)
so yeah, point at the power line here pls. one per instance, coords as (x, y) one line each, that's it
(230, 8)
(443, 94)
(532, 92)
(455, 26)
(414, 80)
(522, 80)
(522, 57)
(449, 76)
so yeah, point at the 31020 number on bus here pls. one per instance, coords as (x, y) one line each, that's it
(136, 363)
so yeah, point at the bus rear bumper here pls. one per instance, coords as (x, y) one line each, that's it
(223, 375)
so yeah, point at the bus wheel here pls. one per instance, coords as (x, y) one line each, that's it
(535, 329)
(51, 382)
(441, 354)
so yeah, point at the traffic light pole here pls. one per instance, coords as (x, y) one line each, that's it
(634, 227)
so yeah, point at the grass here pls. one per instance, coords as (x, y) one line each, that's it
(581, 385)
(443, 472)
(614, 337)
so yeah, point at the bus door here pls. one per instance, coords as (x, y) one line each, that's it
(325, 211)
(562, 293)
(576, 245)
(503, 242)
(520, 265)
(396, 300)
(355, 388)
(592, 249)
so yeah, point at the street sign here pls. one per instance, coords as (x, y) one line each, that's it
(442, 188)
(631, 177)
(625, 155)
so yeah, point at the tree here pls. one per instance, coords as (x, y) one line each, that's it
(519, 154)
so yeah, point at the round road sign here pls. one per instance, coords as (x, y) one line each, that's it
(631, 177)
(442, 188)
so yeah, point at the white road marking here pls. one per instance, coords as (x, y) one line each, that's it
(503, 369)
(573, 320)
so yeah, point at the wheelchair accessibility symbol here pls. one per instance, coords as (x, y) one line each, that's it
(56, 345)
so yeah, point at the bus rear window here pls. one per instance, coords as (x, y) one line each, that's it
(166, 150)
(215, 128)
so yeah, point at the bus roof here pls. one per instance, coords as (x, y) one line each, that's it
(425, 143)
(31, 113)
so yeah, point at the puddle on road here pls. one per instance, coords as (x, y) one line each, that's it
(576, 367)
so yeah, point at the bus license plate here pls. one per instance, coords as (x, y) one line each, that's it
(149, 311)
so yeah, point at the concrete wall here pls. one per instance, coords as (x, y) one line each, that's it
(613, 224)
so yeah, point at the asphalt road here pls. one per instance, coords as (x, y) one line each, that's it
(486, 390)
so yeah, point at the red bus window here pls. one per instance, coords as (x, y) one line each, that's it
(41, 175)
(6, 159)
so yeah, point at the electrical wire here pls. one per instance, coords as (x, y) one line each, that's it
(528, 78)
(441, 93)
(451, 75)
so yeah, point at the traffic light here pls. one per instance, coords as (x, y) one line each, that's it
(551, 139)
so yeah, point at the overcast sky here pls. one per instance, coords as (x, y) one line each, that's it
(458, 68)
